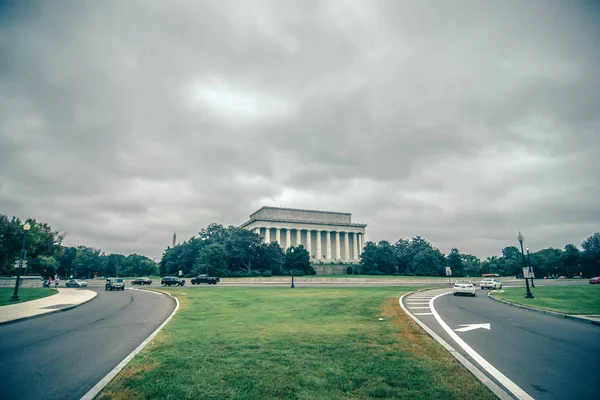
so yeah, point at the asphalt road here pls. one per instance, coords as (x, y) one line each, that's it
(546, 356)
(63, 355)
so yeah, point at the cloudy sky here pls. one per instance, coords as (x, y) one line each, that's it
(463, 122)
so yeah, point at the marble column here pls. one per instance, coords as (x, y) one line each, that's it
(354, 246)
(346, 246)
(337, 245)
(298, 237)
(308, 244)
(278, 235)
(288, 238)
(328, 243)
(267, 235)
(257, 230)
(319, 254)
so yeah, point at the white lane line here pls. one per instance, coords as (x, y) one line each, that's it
(417, 308)
(500, 377)
(109, 377)
(416, 302)
(424, 313)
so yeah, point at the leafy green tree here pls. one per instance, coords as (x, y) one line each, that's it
(298, 260)
(115, 266)
(243, 249)
(455, 262)
(472, 265)
(88, 262)
(570, 260)
(427, 262)
(66, 256)
(274, 259)
(513, 261)
(44, 266)
(590, 257)
(212, 260)
(369, 259)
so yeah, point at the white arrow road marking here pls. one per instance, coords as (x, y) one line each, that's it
(470, 327)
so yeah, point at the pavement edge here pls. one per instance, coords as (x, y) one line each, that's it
(70, 307)
(542, 311)
(489, 383)
(93, 392)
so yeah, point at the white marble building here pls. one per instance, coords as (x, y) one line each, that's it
(328, 236)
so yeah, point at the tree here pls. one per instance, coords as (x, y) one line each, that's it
(297, 259)
(427, 262)
(212, 260)
(590, 257)
(274, 259)
(455, 262)
(472, 265)
(570, 260)
(242, 247)
(369, 259)
(513, 260)
(44, 266)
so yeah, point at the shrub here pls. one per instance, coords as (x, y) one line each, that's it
(267, 273)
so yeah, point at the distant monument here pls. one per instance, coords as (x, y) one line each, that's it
(328, 236)
(174, 238)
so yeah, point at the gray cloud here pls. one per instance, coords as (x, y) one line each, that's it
(462, 122)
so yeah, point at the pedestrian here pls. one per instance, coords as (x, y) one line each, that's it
(56, 282)
(50, 282)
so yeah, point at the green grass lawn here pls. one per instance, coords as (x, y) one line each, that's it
(273, 343)
(25, 294)
(564, 299)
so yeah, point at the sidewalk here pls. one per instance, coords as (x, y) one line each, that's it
(66, 299)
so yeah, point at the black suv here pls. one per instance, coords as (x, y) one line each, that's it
(114, 284)
(141, 281)
(171, 281)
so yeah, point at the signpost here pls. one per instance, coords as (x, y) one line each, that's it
(449, 274)
(528, 274)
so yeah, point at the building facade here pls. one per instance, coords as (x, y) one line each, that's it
(328, 236)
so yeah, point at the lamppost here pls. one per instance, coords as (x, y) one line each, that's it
(530, 269)
(292, 269)
(520, 238)
(15, 296)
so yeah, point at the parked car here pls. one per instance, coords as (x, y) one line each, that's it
(114, 284)
(76, 283)
(464, 287)
(595, 280)
(172, 281)
(142, 281)
(211, 280)
(490, 283)
(577, 277)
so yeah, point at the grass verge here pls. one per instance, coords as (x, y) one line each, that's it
(25, 294)
(564, 299)
(270, 343)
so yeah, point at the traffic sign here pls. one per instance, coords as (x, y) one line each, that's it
(448, 271)
(527, 273)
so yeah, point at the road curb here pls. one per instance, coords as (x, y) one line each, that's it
(93, 392)
(476, 372)
(70, 307)
(542, 311)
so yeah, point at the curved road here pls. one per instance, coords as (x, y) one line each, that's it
(63, 355)
(545, 356)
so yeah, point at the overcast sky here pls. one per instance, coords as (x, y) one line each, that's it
(463, 122)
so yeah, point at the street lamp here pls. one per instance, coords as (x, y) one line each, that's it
(520, 238)
(530, 269)
(15, 296)
(292, 269)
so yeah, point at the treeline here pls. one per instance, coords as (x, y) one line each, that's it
(46, 256)
(233, 252)
(417, 257)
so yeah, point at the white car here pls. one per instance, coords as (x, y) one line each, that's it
(76, 283)
(490, 283)
(464, 287)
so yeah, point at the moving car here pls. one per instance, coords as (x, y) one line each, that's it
(141, 281)
(76, 283)
(172, 281)
(490, 283)
(211, 280)
(114, 284)
(595, 280)
(464, 287)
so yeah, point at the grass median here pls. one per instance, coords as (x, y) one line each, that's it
(25, 294)
(582, 300)
(273, 343)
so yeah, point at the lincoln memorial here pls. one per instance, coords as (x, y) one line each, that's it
(328, 236)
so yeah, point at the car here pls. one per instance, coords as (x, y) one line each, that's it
(141, 281)
(172, 281)
(76, 283)
(464, 287)
(114, 284)
(211, 280)
(490, 283)
(577, 277)
(595, 280)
